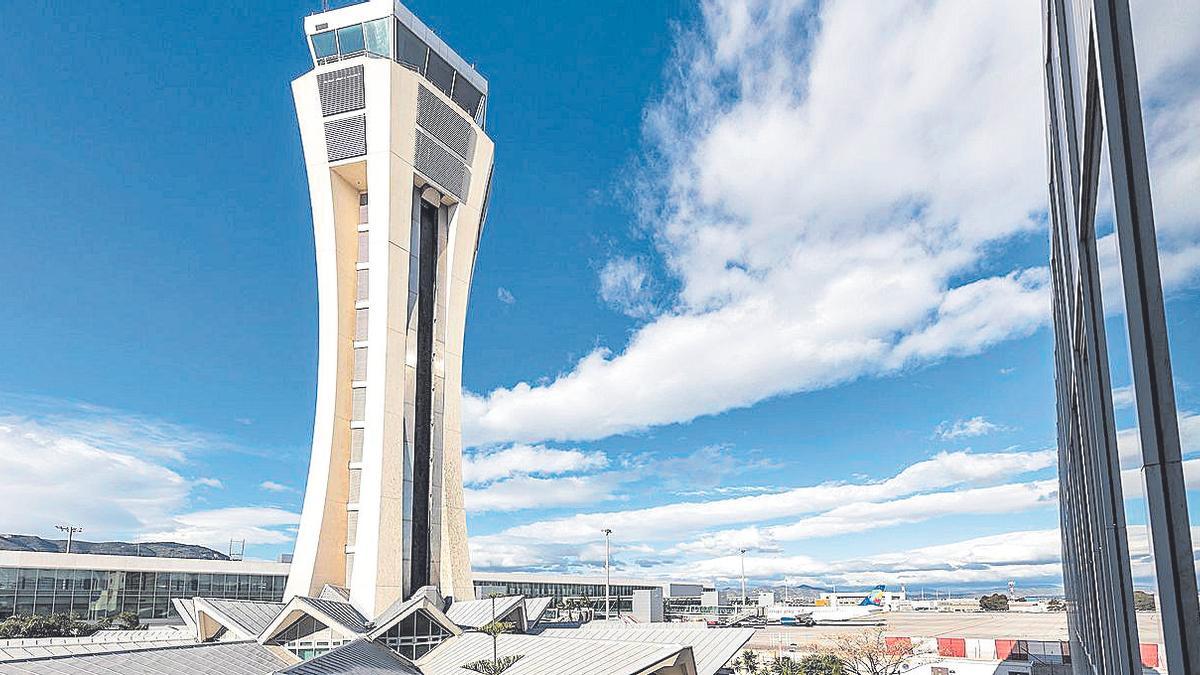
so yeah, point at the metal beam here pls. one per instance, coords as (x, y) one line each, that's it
(1154, 392)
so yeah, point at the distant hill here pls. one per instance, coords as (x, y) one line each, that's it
(147, 549)
(728, 594)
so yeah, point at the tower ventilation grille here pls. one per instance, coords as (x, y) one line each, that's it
(346, 137)
(341, 90)
(446, 125)
(442, 166)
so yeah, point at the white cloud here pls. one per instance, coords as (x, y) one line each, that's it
(272, 486)
(504, 295)
(60, 477)
(625, 285)
(530, 492)
(557, 539)
(819, 211)
(118, 476)
(832, 181)
(485, 466)
(216, 527)
(968, 428)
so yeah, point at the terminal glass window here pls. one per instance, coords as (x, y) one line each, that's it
(324, 45)
(376, 36)
(93, 594)
(350, 40)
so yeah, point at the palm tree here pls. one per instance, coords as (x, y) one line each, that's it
(750, 662)
(782, 665)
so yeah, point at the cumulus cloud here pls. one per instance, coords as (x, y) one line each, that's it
(504, 295)
(210, 483)
(820, 208)
(835, 187)
(968, 428)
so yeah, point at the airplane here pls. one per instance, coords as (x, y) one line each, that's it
(872, 604)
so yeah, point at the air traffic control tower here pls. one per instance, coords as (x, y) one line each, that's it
(399, 169)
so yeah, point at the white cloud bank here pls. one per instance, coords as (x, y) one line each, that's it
(837, 187)
(120, 477)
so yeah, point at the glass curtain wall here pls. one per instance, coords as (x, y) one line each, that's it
(94, 594)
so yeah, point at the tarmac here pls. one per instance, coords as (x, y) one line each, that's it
(987, 625)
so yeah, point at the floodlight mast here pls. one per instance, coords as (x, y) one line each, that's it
(607, 573)
(70, 530)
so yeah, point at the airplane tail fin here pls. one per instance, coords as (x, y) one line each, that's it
(874, 599)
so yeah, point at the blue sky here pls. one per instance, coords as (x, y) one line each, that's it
(764, 274)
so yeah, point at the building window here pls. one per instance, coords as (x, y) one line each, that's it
(360, 364)
(350, 40)
(364, 247)
(466, 96)
(362, 284)
(376, 36)
(324, 45)
(360, 324)
(358, 403)
(440, 73)
(410, 50)
(356, 445)
(415, 635)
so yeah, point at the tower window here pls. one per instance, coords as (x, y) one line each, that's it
(377, 37)
(324, 44)
(350, 39)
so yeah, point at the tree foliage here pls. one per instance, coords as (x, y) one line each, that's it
(495, 628)
(868, 653)
(996, 602)
(821, 664)
(54, 625)
(1055, 605)
(1143, 601)
(493, 667)
(782, 665)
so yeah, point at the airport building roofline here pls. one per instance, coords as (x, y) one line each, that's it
(130, 563)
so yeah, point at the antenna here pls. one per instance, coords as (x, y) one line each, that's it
(70, 530)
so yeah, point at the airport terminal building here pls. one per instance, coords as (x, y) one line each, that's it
(95, 586)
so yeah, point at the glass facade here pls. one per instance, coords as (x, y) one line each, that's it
(406, 49)
(621, 595)
(93, 594)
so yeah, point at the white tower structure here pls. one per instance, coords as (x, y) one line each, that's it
(399, 170)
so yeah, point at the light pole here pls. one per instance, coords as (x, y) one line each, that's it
(607, 574)
(743, 553)
(70, 530)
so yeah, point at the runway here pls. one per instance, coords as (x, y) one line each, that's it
(988, 625)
